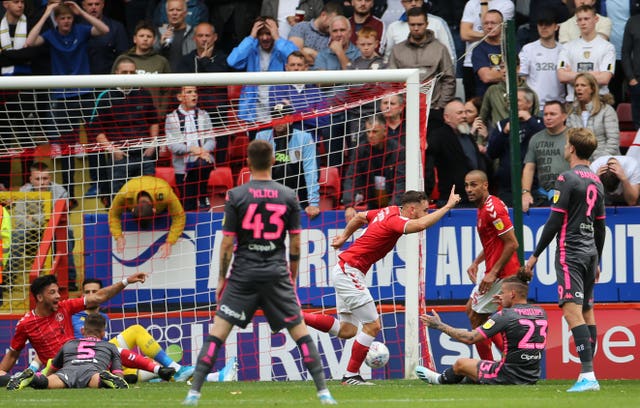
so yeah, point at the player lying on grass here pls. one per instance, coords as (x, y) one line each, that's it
(89, 362)
(136, 336)
(524, 331)
(48, 326)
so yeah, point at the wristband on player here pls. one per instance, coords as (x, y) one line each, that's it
(294, 258)
(484, 3)
(125, 282)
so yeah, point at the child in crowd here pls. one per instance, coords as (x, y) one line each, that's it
(190, 137)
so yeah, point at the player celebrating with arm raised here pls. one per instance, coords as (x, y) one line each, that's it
(353, 300)
(578, 220)
(258, 216)
(498, 253)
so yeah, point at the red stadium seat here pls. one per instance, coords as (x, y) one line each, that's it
(244, 176)
(220, 180)
(624, 116)
(168, 174)
(330, 188)
(626, 139)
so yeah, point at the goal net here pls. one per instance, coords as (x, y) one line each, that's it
(92, 134)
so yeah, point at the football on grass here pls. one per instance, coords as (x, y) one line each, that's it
(377, 356)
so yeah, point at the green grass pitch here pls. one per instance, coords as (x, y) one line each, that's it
(387, 393)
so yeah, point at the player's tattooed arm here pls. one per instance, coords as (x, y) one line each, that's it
(463, 335)
(226, 254)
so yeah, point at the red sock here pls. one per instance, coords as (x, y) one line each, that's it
(484, 349)
(499, 342)
(358, 354)
(318, 321)
(133, 360)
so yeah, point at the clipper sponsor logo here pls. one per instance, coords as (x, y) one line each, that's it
(528, 357)
(232, 313)
(262, 248)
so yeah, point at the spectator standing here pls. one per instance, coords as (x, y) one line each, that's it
(590, 53)
(538, 62)
(176, 37)
(191, 140)
(340, 52)
(544, 160)
(295, 158)
(197, 12)
(471, 31)
(589, 111)
(130, 146)
(104, 49)
(68, 44)
(620, 177)
(500, 140)
(631, 65)
(421, 50)
(263, 50)
(313, 36)
(376, 173)
(214, 99)
(146, 59)
(363, 17)
(453, 152)
(303, 98)
(233, 19)
(398, 31)
(570, 30)
(486, 58)
(286, 12)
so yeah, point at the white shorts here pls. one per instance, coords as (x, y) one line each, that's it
(353, 299)
(484, 304)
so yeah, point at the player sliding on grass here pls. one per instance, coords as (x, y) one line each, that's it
(523, 328)
(48, 326)
(89, 362)
(354, 302)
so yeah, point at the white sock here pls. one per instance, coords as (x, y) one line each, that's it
(335, 329)
(175, 365)
(213, 377)
(591, 376)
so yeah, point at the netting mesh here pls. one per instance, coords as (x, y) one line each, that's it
(95, 140)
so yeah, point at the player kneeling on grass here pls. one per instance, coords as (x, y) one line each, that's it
(523, 328)
(87, 362)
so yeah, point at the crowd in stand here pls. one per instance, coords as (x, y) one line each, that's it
(577, 61)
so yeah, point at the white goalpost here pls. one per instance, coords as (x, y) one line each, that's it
(177, 302)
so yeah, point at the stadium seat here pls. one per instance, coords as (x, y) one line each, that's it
(168, 174)
(624, 116)
(238, 153)
(626, 140)
(244, 176)
(330, 188)
(220, 180)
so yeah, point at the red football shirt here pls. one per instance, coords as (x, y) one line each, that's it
(385, 227)
(493, 221)
(47, 334)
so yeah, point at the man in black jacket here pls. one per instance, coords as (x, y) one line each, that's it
(453, 153)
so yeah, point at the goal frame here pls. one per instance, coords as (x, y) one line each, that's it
(414, 181)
